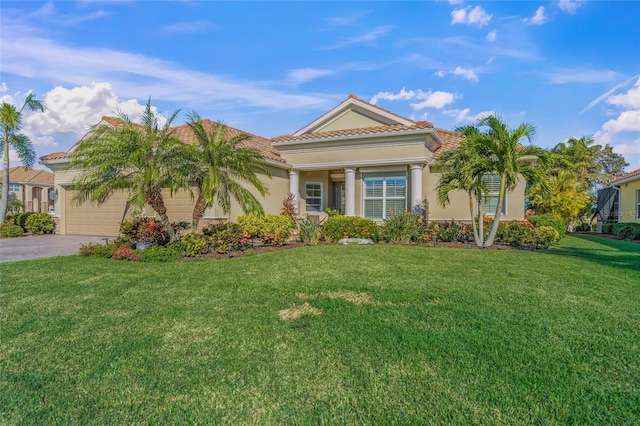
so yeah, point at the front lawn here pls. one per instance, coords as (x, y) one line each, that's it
(390, 334)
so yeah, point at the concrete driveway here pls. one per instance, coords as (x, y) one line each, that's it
(38, 246)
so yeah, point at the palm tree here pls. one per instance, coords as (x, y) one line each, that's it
(508, 158)
(11, 121)
(462, 170)
(223, 165)
(143, 159)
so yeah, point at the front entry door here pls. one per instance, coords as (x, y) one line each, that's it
(338, 196)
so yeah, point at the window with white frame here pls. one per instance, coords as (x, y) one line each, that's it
(490, 201)
(14, 187)
(313, 197)
(384, 196)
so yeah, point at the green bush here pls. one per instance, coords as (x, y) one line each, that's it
(544, 236)
(9, 230)
(516, 232)
(144, 229)
(552, 220)
(227, 237)
(98, 250)
(403, 228)
(337, 227)
(451, 231)
(168, 253)
(40, 223)
(310, 231)
(627, 230)
(272, 229)
(126, 253)
(10, 218)
(21, 220)
(607, 228)
(195, 244)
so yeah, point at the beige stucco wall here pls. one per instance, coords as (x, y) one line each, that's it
(367, 153)
(350, 120)
(628, 201)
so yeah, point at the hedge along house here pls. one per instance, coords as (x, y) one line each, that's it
(357, 158)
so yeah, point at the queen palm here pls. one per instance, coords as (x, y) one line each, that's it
(508, 159)
(142, 159)
(462, 170)
(11, 121)
(224, 165)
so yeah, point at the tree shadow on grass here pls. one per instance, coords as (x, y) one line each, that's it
(603, 251)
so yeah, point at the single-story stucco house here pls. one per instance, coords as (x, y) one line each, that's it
(357, 158)
(33, 188)
(620, 202)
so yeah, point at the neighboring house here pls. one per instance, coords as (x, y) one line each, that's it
(357, 158)
(33, 188)
(620, 202)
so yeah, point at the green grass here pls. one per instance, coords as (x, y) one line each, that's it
(449, 336)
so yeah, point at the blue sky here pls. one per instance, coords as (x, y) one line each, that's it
(571, 68)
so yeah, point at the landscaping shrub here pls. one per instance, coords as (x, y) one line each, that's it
(607, 228)
(40, 223)
(310, 231)
(403, 228)
(10, 230)
(168, 253)
(144, 229)
(516, 232)
(451, 231)
(338, 227)
(195, 244)
(21, 220)
(98, 250)
(272, 229)
(227, 237)
(549, 219)
(126, 253)
(544, 236)
(627, 230)
(10, 218)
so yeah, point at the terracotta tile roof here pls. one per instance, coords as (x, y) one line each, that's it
(21, 175)
(626, 176)
(450, 139)
(184, 133)
(354, 132)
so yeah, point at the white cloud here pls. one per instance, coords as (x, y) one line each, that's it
(3, 87)
(631, 99)
(71, 111)
(570, 6)
(462, 115)
(435, 99)
(403, 95)
(582, 75)
(627, 121)
(139, 76)
(633, 147)
(462, 72)
(429, 99)
(367, 37)
(456, 2)
(303, 75)
(493, 35)
(476, 16)
(194, 27)
(538, 19)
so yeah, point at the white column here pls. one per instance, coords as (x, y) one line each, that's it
(350, 192)
(416, 186)
(294, 186)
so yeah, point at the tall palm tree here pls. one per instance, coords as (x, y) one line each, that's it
(223, 165)
(11, 121)
(508, 158)
(141, 158)
(462, 170)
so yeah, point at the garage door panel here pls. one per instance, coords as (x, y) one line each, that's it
(90, 219)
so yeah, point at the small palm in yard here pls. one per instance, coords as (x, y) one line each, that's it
(223, 165)
(10, 122)
(141, 159)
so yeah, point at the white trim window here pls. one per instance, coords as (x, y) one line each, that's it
(14, 187)
(313, 197)
(384, 196)
(490, 201)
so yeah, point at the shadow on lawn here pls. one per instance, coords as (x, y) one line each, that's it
(603, 251)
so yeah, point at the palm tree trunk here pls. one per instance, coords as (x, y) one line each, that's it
(153, 197)
(496, 217)
(473, 220)
(198, 210)
(480, 218)
(5, 179)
